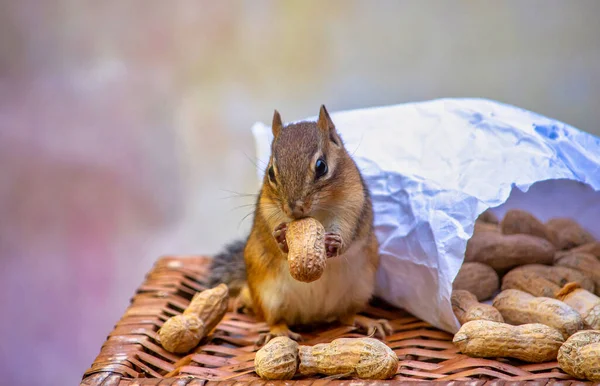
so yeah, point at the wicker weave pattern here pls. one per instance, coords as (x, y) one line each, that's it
(132, 356)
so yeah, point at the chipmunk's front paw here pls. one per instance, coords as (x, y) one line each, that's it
(333, 244)
(279, 234)
(275, 331)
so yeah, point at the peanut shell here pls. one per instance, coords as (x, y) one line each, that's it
(518, 307)
(583, 262)
(481, 226)
(591, 248)
(488, 217)
(535, 343)
(584, 302)
(559, 275)
(467, 308)
(569, 356)
(181, 333)
(569, 234)
(210, 305)
(306, 245)
(518, 221)
(503, 252)
(529, 282)
(278, 359)
(590, 361)
(365, 358)
(479, 279)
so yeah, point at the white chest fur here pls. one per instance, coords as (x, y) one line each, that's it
(346, 282)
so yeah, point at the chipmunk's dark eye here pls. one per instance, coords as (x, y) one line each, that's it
(320, 168)
(272, 175)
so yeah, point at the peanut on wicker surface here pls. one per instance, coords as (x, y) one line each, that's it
(573, 360)
(278, 359)
(364, 358)
(306, 249)
(533, 342)
(182, 333)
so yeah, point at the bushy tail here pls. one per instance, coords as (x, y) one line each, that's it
(229, 267)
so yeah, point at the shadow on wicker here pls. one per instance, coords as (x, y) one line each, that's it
(132, 356)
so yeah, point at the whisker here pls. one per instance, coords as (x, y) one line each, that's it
(357, 146)
(245, 217)
(272, 216)
(241, 206)
(255, 161)
(238, 194)
(267, 205)
(241, 197)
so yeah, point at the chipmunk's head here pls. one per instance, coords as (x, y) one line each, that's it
(309, 167)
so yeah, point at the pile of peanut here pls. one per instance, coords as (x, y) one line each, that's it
(543, 280)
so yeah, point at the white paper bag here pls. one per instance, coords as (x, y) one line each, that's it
(433, 167)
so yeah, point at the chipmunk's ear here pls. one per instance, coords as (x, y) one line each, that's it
(277, 124)
(325, 124)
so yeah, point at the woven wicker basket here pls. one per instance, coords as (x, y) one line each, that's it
(131, 356)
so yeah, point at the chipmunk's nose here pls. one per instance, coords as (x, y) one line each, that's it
(298, 208)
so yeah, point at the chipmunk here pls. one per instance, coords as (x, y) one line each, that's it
(310, 173)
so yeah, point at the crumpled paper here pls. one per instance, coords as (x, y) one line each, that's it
(432, 167)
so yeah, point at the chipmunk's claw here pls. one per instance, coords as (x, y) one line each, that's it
(279, 234)
(275, 331)
(377, 328)
(240, 307)
(333, 244)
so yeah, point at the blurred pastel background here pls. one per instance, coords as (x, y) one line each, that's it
(125, 127)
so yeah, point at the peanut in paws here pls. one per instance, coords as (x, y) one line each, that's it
(306, 245)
